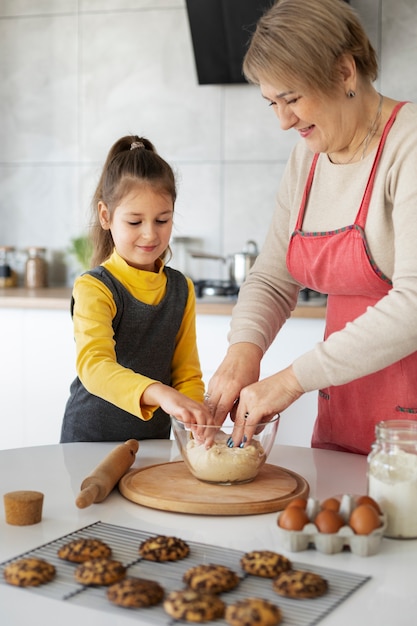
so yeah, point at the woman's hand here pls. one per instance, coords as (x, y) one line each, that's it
(240, 368)
(261, 401)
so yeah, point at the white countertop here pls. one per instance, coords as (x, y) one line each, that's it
(58, 470)
(58, 298)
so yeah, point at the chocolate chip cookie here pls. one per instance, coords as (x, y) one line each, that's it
(80, 550)
(300, 584)
(264, 563)
(29, 572)
(193, 606)
(211, 578)
(99, 572)
(135, 593)
(163, 548)
(253, 612)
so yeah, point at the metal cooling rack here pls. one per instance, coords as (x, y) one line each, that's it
(125, 543)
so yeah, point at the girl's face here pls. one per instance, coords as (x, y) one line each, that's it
(141, 226)
(322, 121)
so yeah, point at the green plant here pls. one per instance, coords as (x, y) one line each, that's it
(81, 248)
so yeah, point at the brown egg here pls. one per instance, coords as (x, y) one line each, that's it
(328, 521)
(301, 503)
(332, 504)
(293, 518)
(370, 501)
(364, 519)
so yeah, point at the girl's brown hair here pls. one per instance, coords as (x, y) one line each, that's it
(131, 161)
(297, 43)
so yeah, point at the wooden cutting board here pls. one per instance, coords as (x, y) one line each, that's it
(171, 487)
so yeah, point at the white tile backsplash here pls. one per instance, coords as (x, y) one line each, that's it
(251, 129)
(78, 74)
(145, 84)
(17, 8)
(39, 204)
(38, 91)
(399, 52)
(250, 198)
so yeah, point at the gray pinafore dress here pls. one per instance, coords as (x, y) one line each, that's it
(145, 337)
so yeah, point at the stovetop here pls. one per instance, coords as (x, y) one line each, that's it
(227, 289)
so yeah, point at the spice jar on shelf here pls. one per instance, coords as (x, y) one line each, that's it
(392, 476)
(36, 271)
(8, 276)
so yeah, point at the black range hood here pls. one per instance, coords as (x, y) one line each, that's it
(220, 33)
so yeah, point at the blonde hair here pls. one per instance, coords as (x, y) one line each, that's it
(131, 161)
(297, 43)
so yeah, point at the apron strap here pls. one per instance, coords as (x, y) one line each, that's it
(363, 209)
(306, 192)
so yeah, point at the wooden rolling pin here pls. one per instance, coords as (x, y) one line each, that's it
(97, 486)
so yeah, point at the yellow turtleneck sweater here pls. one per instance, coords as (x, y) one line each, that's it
(96, 362)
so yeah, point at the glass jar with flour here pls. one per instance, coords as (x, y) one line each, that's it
(392, 475)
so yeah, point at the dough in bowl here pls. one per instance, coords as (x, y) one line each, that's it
(221, 464)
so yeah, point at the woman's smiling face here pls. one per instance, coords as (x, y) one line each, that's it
(321, 120)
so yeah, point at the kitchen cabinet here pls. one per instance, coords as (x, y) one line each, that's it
(38, 366)
(36, 370)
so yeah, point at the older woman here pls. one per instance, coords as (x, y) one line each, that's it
(345, 224)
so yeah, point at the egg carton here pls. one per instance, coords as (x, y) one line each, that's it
(332, 543)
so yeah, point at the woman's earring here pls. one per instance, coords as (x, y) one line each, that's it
(351, 93)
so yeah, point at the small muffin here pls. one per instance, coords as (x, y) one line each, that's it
(163, 548)
(264, 563)
(211, 578)
(300, 584)
(99, 572)
(29, 572)
(23, 508)
(253, 612)
(135, 593)
(193, 606)
(80, 550)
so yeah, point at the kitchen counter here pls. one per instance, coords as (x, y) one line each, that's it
(47, 298)
(387, 598)
(58, 298)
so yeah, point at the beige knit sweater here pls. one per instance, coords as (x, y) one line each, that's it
(387, 331)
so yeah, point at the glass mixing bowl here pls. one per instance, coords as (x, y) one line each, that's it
(220, 464)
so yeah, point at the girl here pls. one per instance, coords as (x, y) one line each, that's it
(134, 318)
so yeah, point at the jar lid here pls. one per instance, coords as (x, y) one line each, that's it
(397, 430)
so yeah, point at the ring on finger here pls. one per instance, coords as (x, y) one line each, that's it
(206, 396)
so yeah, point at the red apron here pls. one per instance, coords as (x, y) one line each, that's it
(339, 264)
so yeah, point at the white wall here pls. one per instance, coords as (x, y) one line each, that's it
(78, 74)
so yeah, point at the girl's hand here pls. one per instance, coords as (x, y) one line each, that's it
(261, 401)
(239, 369)
(183, 408)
